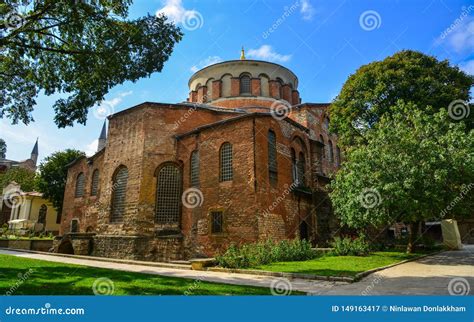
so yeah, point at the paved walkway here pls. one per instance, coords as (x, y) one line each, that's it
(427, 276)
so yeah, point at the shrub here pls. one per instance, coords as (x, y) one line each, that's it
(256, 254)
(350, 246)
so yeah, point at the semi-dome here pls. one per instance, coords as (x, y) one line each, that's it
(244, 83)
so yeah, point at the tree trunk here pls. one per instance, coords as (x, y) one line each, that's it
(412, 234)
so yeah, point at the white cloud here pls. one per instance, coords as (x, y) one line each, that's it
(459, 36)
(175, 11)
(307, 10)
(467, 67)
(91, 148)
(206, 62)
(266, 52)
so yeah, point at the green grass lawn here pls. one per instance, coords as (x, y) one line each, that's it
(50, 278)
(339, 265)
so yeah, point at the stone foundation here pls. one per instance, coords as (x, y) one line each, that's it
(156, 249)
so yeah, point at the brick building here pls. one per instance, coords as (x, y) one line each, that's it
(242, 160)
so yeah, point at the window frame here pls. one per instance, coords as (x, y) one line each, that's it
(243, 86)
(160, 215)
(194, 163)
(118, 218)
(226, 167)
(80, 185)
(272, 157)
(95, 183)
(220, 222)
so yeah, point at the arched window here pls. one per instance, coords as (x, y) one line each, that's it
(272, 157)
(326, 124)
(95, 183)
(168, 194)
(301, 169)
(80, 181)
(226, 173)
(280, 87)
(194, 169)
(245, 84)
(119, 192)
(294, 171)
(42, 214)
(331, 152)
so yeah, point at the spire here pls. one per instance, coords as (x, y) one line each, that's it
(102, 138)
(242, 54)
(103, 133)
(34, 152)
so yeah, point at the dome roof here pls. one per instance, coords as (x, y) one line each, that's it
(264, 83)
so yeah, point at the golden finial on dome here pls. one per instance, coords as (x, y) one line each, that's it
(242, 54)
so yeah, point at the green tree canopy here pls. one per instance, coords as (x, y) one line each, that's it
(80, 49)
(24, 177)
(53, 175)
(3, 149)
(407, 75)
(415, 166)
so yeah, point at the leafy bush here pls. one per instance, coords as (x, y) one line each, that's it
(256, 254)
(350, 246)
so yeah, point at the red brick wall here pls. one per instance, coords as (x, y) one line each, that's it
(216, 89)
(256, 86)
(234, 86)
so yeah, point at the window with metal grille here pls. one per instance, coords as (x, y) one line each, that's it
(74, 226)
(217, 222)
(301, 169)
(272, 157)
(95, 183)
(119, 191)
(331, 153)
(80, 181)
(168, 194)
(194, 169)
(42, 214)
(245, 85)
(226, 162)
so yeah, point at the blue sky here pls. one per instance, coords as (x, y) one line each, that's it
(323, 42)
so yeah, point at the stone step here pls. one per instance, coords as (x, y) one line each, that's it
(180, 262)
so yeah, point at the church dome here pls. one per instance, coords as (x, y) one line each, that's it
(244, 83)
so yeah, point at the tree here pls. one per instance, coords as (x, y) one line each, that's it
(24, 177)
(408, 75)
(3, 149)
(79, 49)
(415, 166)
(53, 175)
